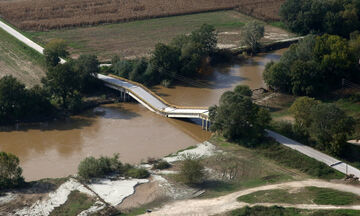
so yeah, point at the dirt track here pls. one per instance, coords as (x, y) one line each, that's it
(228, 202)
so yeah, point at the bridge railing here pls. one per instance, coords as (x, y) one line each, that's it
(155, 95)
(161, 112)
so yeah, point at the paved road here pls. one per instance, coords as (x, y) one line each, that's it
(23, 39)
(330, 161)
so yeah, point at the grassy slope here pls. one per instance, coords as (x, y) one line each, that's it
(307, 195)
(138, 37)
(19, 60)
(76, 203)
(261, 166)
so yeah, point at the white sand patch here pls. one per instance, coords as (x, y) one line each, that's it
(95, 208)
(275, 36)
(166, 172)
(204, 149)
(56, 198)
(226, 46)
(8, 197)
(228, 33)
(114, 192)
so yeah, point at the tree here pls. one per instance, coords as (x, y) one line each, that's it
(339, 17)
(10, 171)
(206, 37)
(251, 34)
(301, 109)
(87, 68)
(238, 118)
(306, 78)
(192, 172)
(12, 100)
(277, 77)
(55, 50)
(166, 61)
(334, 56)
(62, 82)
(330, 127)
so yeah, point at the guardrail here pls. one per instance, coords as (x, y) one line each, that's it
(155, 95)
(161, 112)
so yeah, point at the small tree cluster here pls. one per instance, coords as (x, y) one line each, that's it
(92, 167)
(65, 82)
(238, 118)
(328, 125)
(314, 66)
(10, 171)
(18, 103)
(182, 57)
(340, 17)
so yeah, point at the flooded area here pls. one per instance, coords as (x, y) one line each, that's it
(214, 82)
(55, 149)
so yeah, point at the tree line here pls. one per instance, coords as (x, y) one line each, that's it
(61, 91)
(184, 56)
(338, 17)
(315, 65)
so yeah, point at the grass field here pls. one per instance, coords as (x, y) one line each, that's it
(137, 38)
(280, 211)
(19, 60)
(307, 195)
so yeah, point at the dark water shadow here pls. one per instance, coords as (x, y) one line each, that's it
(118, 112)
(60, 125)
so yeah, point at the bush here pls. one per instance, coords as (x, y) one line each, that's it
(192, 171)
(138, 173)
(91, 167)
(10, 171)
(162, 165)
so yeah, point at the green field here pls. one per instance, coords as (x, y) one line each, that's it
(136, 38)
(280, 211)
(19, 60)
(307, 195)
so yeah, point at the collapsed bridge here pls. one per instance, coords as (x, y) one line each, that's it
(153, 102)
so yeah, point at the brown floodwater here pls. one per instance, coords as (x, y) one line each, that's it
(207, 90)
(55, 149)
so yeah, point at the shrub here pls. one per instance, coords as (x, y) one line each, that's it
(10, 172)
(91, 167)
(138, 173)
(192, 171)
(162, 165)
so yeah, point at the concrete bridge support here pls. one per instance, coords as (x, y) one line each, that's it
(205, 124)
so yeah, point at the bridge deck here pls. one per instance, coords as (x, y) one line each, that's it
(151, 101)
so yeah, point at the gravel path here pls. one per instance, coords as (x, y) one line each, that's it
(228, 202)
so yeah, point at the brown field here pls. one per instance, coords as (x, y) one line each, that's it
(42, 15)
(267, 10)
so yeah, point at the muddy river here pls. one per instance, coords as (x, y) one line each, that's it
(55, 149)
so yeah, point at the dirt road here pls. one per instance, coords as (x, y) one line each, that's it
(228, 202)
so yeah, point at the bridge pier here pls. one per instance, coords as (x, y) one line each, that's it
(205, 124)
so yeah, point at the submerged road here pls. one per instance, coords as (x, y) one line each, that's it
(170, 111)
